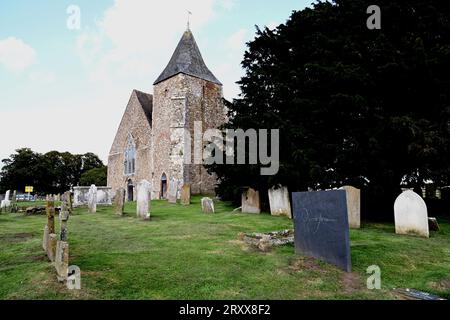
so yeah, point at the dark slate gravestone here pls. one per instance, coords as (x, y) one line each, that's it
(321, 226)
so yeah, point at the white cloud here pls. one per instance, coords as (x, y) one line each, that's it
(140, 35)
(236, 42)
(227, 4)
(42, 77)
(16, 55)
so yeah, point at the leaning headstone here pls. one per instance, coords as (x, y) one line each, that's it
(279, 202)
(208, 205)
(353, 206)
(173, 191)
(62, 260)
(119, 201)
(321, 226)
(411, 215)
(433, 224)
(92, 199)
(186, 195)
(251, 201)
(143, 199)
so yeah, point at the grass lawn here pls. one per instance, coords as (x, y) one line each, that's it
(184, 254)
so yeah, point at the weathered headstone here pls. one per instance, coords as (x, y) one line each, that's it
(52, 238)
(51, 246)
(119, 201)
(186, 195)
(208, 206)
(411, 215)
(321, 226)
(353, 206)
(6, 203)
(45, 239)
(92, 199)
(64, 215)
(173, 191)
(251, 201)
(433, 224)
(279, 202)
(62, 260)
(143, 199)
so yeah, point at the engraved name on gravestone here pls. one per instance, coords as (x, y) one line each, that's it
(321, 227)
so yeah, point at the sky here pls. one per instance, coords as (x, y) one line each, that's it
(64, 85)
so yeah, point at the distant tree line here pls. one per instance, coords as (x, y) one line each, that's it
(52, 172)
(368, 108)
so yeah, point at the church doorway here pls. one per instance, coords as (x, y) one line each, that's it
(164, 186)
(130, 191)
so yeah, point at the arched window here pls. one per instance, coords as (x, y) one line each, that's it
(130, 157)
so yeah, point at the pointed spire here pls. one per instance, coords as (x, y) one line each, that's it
(188, 60)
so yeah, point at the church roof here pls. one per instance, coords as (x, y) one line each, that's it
(146, 102)
(187, 59)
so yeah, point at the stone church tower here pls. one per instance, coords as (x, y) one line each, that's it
(151, 142)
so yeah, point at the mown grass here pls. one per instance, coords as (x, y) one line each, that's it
(184, 254)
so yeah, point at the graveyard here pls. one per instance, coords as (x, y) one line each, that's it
(182, 253)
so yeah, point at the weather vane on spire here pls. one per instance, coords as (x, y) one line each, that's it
(189, 20)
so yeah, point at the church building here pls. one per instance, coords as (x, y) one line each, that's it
(149, 144)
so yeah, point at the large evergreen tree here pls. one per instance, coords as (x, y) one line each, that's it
(354, 106)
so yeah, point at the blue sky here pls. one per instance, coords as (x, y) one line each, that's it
(66, 90)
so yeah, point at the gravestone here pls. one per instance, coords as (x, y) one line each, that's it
(186, 195)
(51, 247)
(50, 242)
(6, 203)
(92, 199)
(173, 191)
(64, 215)
(411, 215)
(119, 201)
(433, 224)
(208, 206)
(279, 202)
(45, 239)
(321, 226)
(251, 202)
(144, 189)
(353, 206)
(62, 260)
